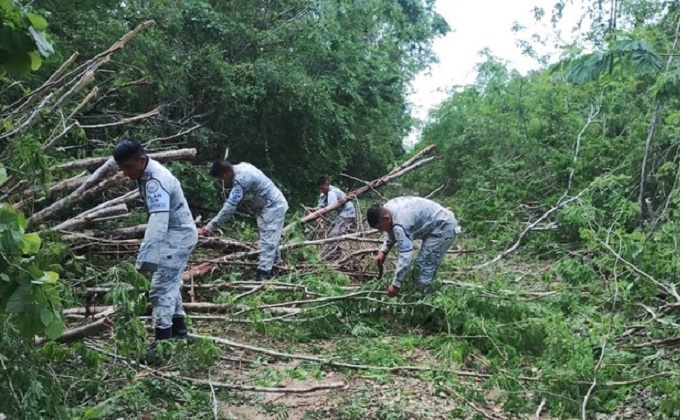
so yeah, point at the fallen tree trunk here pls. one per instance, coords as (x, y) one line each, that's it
(131, 232)
(99, 181)
(88, 217)
(223, 244)
(67, 184)
(99, 211)
(93, 240)
(123, 199)
(102, 179)
(79, 332)
(371, 185)
(164, 156)
(412, 160)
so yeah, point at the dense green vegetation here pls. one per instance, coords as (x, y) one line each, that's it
(298, 88)
(576, 163)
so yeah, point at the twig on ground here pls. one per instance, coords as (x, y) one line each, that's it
(668, 288)
(594, 384)
(208, 383)
(537, 415)
(214, 398)
(249, 292)
(330, 362)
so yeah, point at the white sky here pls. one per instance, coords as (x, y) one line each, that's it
(479, 24)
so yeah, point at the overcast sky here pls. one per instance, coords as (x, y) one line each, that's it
(479, 24)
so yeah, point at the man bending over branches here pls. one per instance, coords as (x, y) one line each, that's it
(251, 184)
(169, 238)
(405, 219)
(346, 219)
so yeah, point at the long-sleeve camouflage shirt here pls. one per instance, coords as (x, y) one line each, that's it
(412, 218)
(334, 195)
(170, 225)
(250, 184)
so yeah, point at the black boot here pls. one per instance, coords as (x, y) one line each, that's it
(275, 271)
(262, 275)
(179, 329)
(151, 356)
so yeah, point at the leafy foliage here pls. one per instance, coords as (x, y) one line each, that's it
(29, 296)
(299, 88)
(22, 39)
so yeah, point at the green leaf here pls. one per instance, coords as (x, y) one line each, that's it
(6, 38)
(18, 64)
(31, 244)
(94, 413)
(22, 42)
(673, 118)
(4, 277)
(46, 316)
(17, 302)
(49, 277)
(55, 329)
(36, 61)
(37, 21)
(6, 6)
(3, 175)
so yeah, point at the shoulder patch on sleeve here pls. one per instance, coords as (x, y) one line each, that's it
(157, 198)
(153, 186)
(236, 194)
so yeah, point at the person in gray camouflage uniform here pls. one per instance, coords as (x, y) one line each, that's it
(169, 238)
(343, 223)
(405, 219)
(250, 184)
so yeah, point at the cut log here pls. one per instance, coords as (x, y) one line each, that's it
(224, 244)
(129, 232)
(66, 184)
(102, 176)
(197, 271)
(87, 218)
(123, 199)
(79, 332)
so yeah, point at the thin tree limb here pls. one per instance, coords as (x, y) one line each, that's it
(594, 384)
(124, 121)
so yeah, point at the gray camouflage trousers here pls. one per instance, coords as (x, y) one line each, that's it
(166, 287)
(341, 226)
(270, 222)
(432, 252)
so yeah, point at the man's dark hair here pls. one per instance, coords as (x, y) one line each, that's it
(127, 148)
(220, 167)
(321, 181)
(373, 214)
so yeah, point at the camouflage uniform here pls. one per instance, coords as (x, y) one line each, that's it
(170, 237)
(251, 185)
(418, 218)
